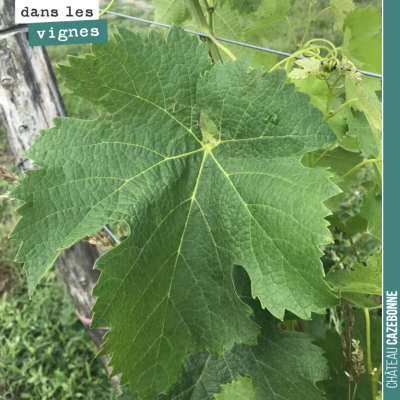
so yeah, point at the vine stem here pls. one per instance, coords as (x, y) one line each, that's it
(368, 328)
(324, 153)
(328, 103)
(347, 174)
(341, 107)
(108, 7)
(294, 55)
(354, 249)
(355, 389)
(348, 252)
(201, 21)
(311, 159)
(308, 25)
(325, 9)
(291, 32)
(375, 381)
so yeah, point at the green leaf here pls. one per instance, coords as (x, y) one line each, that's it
(360, 300)
(338, 386)
(379, 397)
(171, 11)
(339, 7)
(371, 210)
(363, 280)
(318, 92)
(358, 124)
(243, 6)
(373, 111)
(362, 42)
(339, 161)
(351, 226)
(242, 389)
(309, 67)
(369, 84)
(229, 24)
(282, 364)
(193, 209)
(269, 14)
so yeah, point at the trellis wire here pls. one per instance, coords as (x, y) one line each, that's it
(251, 46)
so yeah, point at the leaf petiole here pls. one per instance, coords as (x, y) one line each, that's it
(107, 8)
(325, 9)
(347, 252)
(341, 107)
(347, 174)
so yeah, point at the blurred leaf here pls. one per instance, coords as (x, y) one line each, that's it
(351, 226)
(366, 280)
(243, 6)
(358, 124)
(171, 11)
(373, 112)
(338, 386)
(338, 7)
(270, 13)
(362, 42)
(338, 161)
(371, 210)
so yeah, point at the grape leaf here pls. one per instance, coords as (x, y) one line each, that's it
(243, 6)
(339, 161)
(193, 209)
(371, 210)
(360, 299)
(362, 42)
(308, 67)
(358, 124)
(282, 364)
(373, 111)
(338, 386)
(370, 84)
(269, 14)
(363, 280)
(229, 24)
(171, 11)
(242, 389)
(318, 92)
(351, 226)
(338, 7)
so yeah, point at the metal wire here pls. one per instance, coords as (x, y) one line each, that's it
(251, 46)
(108, 232)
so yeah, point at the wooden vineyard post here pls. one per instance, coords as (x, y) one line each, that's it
(29, 99)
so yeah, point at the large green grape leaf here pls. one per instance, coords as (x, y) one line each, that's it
(243, 6)
(362, 280)
(338, 386)
(171, 11)
(194, 208)
(362, 42)
(339, 7)
(282, 365)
